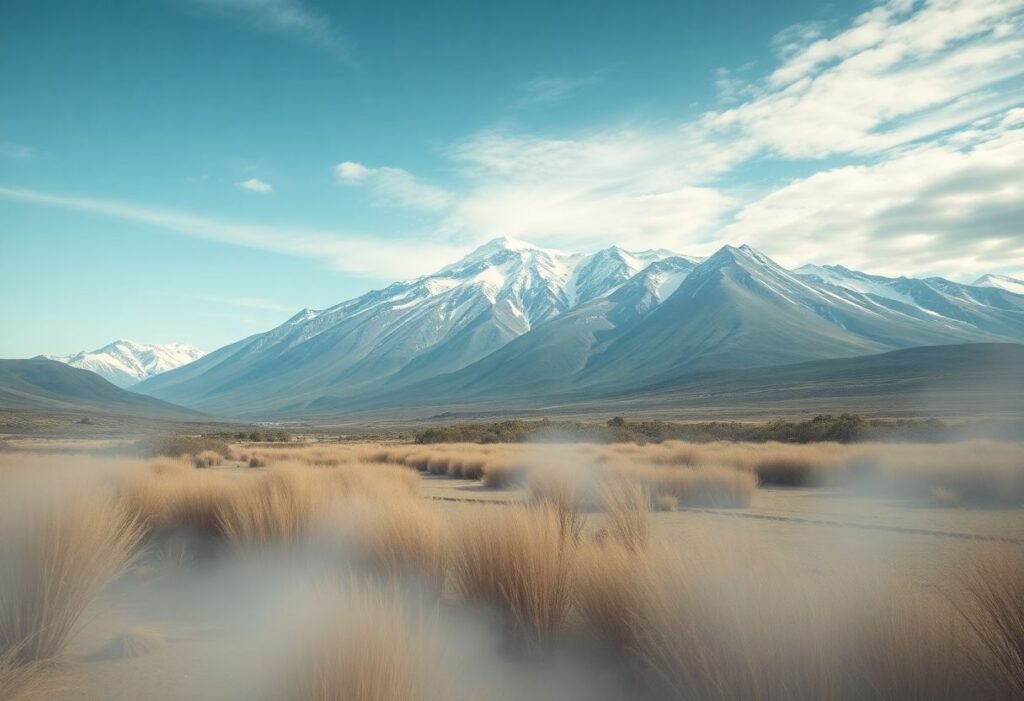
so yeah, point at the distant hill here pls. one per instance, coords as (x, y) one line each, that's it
(41, 384)
(965, 380)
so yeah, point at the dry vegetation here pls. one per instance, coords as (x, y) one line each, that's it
(711, 618)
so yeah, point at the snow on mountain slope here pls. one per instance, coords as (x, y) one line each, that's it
(125, 362)
(405, 332)
(512, 317)
(737, 309)
(1002, 282)
(951, 305)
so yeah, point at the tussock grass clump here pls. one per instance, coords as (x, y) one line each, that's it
(256, 461)
(501, 474)
(519, 560)
(369, 647)
(397, 537)
(280, 509)
(282, 505)
(564, 492)
(976, 473)
(993, 606)
(178, 501)
(627, 507)
(54, 564)
(177, 446)
(208, 458)
(713, 486)
(607, 593)
(170, 466)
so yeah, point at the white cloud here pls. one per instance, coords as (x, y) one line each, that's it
(256, 185)
(288, 17)
(354, 253)
(906, 83)
(902, 72)
(953, 207)
(350, 172)
(394, 186)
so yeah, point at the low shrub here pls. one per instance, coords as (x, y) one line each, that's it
(177, 446)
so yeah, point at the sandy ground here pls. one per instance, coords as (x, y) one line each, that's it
(817, 532)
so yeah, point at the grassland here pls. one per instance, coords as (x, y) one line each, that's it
(402, 571)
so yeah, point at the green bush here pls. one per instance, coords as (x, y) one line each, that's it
(844, 428)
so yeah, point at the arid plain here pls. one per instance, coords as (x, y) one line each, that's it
(397, 571)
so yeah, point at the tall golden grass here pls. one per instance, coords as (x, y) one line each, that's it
(714, 617)
(518, 559)
(993, 606)
(396, 537)
(369, 647)
(53, 565)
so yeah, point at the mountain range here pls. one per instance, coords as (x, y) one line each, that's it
(516, 322)
(125, 363)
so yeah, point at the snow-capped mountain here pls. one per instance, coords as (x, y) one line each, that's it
(405, 332)
(737, 309)
(125, 362)
(511, 318)
(1003, 282)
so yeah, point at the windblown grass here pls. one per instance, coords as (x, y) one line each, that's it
(398, 537)
(518, 559)
(53, 566)
(368, 648)
(993, 606)
(627, 507)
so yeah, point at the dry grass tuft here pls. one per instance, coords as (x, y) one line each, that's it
(994, 609)
(280, 509)
(606, 594)
(179, 502)
(208, 458)
(397, 537)
(626, 505)
(368, 649)
(562, 491)
(519, 560)
(53, 566)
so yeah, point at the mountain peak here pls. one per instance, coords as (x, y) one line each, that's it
(1002, 282)
(125, 362)
(740, 254)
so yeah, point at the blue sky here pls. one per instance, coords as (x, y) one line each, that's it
(198, 170)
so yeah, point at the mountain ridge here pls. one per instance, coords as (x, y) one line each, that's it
(511, 319)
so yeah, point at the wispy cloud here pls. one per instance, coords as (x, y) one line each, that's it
(353, 253)
(256, 185)
(551, 89)
(905, 85)
(951, 207)
(292, 18)
(394, 186)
